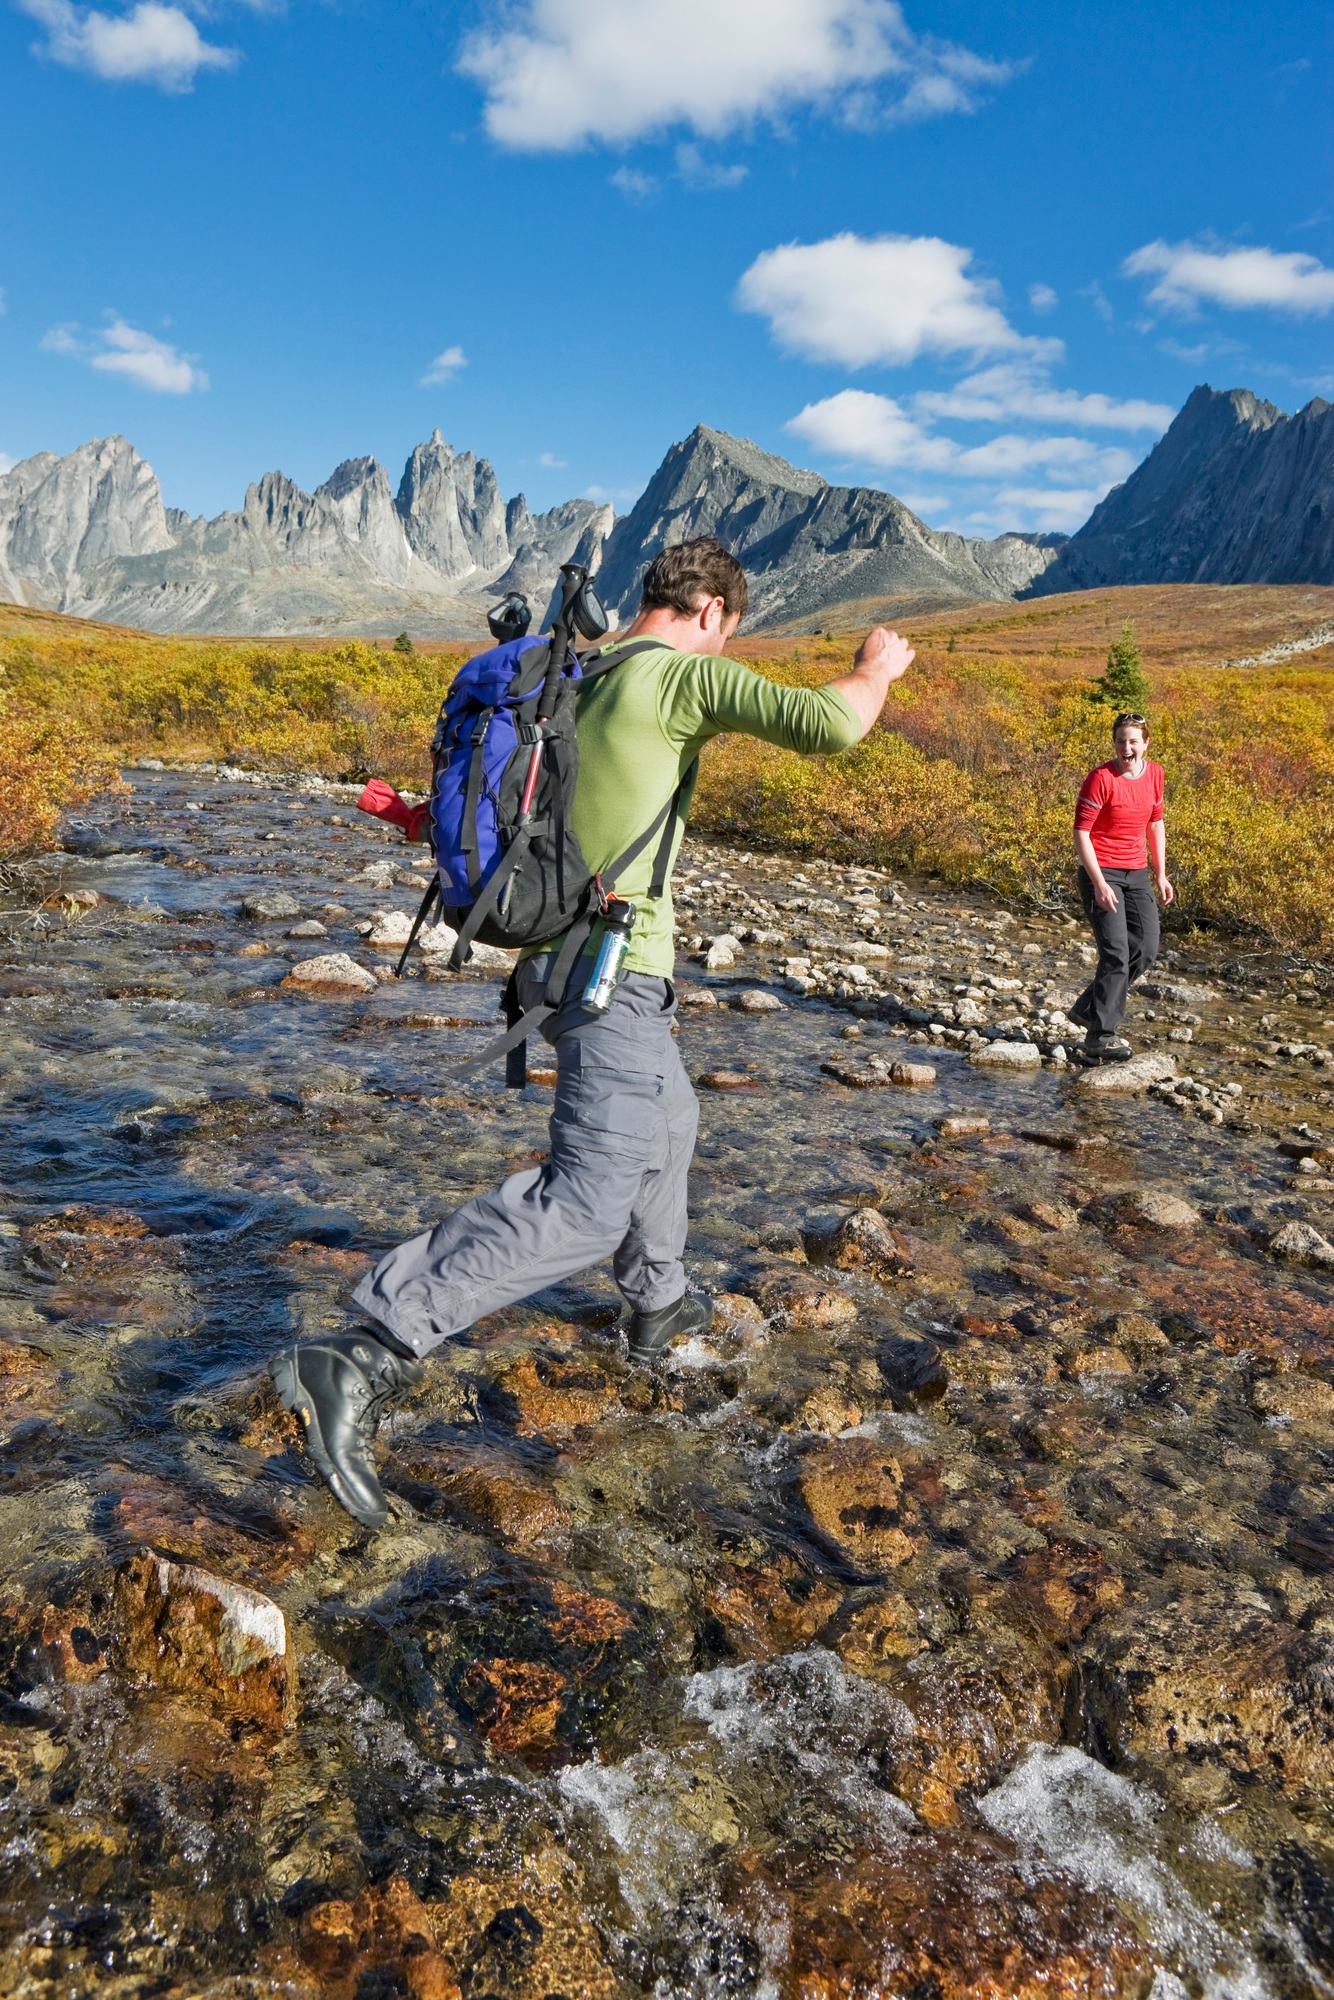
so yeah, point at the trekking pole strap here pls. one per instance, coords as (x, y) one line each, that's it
(514, 1037)
(423, 910)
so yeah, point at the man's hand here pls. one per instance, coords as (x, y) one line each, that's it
(881, 658)
(883, 652)
(1104, 895)
(1166, 893)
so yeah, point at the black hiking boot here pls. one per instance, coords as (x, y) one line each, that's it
(338, 1388)
(1102, 1049)
(650, 1333)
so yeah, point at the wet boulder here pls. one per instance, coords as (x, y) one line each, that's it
(382, 1940)
(331, 972)
(524, 1933)
(1125, 1079)
(1159, 1208)
(947, 1916)
(553, 1396)
(1208, 1674)
(853, 1490)
(182, 1628)
(270, 906)
(859, 1241)
(1007, 1055)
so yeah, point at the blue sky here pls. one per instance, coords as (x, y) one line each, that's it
(975, 256)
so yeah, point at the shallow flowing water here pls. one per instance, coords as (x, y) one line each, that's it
(955, 1619)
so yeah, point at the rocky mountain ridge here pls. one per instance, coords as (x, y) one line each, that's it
(88, 534)
(1235, 491)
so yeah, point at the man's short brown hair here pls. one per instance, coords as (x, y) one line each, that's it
(680, 577)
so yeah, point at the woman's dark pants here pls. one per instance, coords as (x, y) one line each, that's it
(1127, 945)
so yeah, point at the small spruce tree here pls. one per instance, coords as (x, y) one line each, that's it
(1123, 684)
(403, 644)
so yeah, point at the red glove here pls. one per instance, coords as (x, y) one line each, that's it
(383, 802)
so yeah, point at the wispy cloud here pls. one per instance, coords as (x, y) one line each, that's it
(634, 185)
(1022, 391)
(861, 300)
(560, 74)
(447, 363)
(1043, 299)
(119, 348)
(707, 175)
(150, 43)
(1184, 274)
(551, 462)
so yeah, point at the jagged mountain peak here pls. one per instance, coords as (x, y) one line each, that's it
(351, 475)
(1235, 491)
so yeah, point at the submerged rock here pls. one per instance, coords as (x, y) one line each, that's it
(853, 1490)
(182, 1628)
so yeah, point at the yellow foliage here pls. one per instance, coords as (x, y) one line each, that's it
(972, 777)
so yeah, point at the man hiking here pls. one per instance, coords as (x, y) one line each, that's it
(623, 1124)
(1118, 825)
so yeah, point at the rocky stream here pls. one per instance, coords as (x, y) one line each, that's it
(955, 1621)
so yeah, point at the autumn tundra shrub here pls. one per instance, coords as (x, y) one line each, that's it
(971, 777)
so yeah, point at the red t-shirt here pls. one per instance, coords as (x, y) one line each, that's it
(1117, 812)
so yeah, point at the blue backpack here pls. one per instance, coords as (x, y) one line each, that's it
(504, 763)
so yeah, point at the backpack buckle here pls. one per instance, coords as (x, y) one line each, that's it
(480, 727)
(532, 732)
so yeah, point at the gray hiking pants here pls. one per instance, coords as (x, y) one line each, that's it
(614, 1184)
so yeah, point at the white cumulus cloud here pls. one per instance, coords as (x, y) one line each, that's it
(1287, 281)
(1043, 299)
(446, 363)
(861, 428)
(118, 348)
(151, 43)
(1021, 390)
(860, 300)
(558, 74)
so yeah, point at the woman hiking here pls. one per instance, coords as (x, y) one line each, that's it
(1118, 831)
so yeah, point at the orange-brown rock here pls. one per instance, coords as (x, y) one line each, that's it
(880, 1635)
(553, 1396)
(217, 1642)
(853, 1490)
(93, 1240)
(384, 1937)
(75, 1649)
(516, 1705)
(525, 1934)
(29, 1386)
(170, 1520)
(975, 1708)
(580, 1618)
(1064, 1587)
(485, 1490)
(953, 1917)
(775, 1609)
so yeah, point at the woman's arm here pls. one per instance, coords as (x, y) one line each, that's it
(1104, 895)
(1158, 856)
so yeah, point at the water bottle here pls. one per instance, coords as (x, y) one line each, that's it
(617, 923)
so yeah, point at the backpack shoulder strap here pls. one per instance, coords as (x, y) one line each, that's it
(608, 657)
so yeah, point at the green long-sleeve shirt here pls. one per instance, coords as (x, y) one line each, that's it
(641, 726)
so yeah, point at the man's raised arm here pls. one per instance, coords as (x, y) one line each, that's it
(881, 659)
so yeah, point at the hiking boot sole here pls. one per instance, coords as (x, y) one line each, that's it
(285, 1372)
